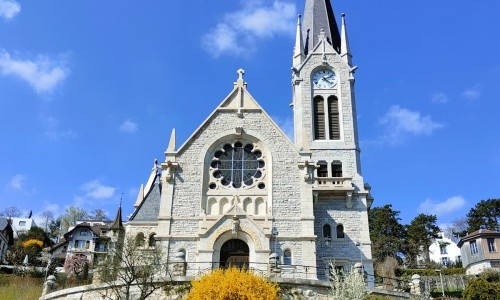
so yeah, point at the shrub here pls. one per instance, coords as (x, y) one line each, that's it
(429, 272)
(346, 283)
(485, 287)
(376, 297)
(32, 243)
(232, 284)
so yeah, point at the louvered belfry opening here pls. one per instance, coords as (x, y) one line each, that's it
(319, 118)
(336, 169)
(333, 113)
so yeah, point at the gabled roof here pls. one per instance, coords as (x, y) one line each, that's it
(4, 222)
(318, 15)
(58, 245)
(238, 100)
(97, 229)
(5, 226)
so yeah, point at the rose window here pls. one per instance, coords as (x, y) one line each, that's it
(237, 165)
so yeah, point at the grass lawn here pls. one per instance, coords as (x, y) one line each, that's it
(20, 288)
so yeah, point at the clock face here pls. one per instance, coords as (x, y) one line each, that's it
(324, 79)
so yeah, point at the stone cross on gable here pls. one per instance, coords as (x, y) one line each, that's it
(240, 72)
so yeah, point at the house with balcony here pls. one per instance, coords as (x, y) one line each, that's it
(480, 251)
(92, 239)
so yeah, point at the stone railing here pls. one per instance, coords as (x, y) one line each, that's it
(333, 183)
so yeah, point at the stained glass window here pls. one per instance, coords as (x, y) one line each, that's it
(237, 165)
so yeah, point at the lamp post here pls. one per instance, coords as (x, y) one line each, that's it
(441, 278)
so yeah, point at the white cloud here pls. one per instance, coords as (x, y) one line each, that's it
(9, 9)
(402, 121)
(17, 182)
(445, 207)
(55, 135)
(128, 127)
(439, 98)
(43, 74)
(96, 190)
(53, 131)
(472, 93)
(240, 31)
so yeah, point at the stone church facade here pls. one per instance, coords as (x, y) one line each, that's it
(239, 191)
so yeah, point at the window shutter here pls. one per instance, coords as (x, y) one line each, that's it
(319, 118)
(333, 113)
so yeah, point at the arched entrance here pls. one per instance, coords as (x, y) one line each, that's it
(234, 253)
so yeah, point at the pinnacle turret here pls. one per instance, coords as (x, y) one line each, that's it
(345, 50)
(298, 51)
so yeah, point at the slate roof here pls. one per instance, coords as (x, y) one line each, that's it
(5, 225)
(117, 223)
(150, 206)
(318, 14)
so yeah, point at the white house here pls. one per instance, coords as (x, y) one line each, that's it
(444, 251)
(22, 225)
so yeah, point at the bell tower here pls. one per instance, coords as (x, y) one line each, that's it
(325, 128)
(323, 85)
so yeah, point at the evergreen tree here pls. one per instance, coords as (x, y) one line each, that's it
(421, 233)
(386, 233)
(486, 213)
(36, 233)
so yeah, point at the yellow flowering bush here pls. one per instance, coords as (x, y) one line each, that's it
(32, 242)
(232, 284)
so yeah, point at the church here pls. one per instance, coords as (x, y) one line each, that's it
(239, 191)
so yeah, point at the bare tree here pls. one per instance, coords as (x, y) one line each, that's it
(99, 214)
(11, 212)
(132, 271)
(71, 215)
(47, 218)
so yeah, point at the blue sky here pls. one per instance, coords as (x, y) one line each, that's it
(90, 91)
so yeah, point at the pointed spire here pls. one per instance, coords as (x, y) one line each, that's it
(318, 14)
(118, 223)
(171, 143)
(345, 48)
(298, 51)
